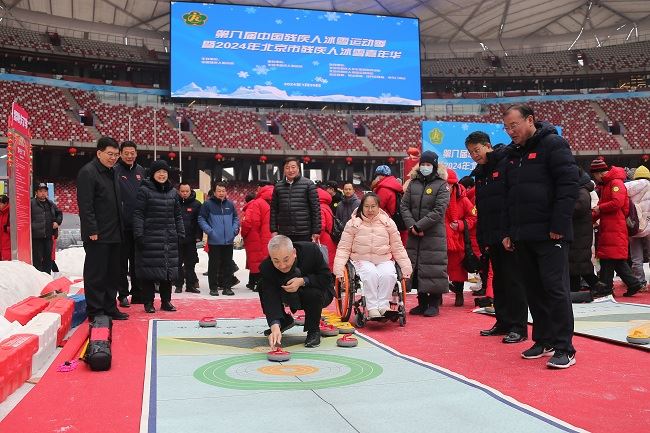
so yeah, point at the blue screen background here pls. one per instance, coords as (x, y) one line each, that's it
(255, 74)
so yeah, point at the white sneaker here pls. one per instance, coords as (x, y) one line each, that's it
(374, 313)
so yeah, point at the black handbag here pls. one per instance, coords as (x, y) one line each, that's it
(471, 263)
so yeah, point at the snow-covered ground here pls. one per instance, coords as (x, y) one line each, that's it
(18, 281)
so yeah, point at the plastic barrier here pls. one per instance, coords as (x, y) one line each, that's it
(25, 310)
(44, 326)
(60, 285)
(79, 313)
(16, 354)
(63, 307)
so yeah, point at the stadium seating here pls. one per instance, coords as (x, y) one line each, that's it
(561, 63)
(630, 56)
(65, 193)
(22, 38)
(229, 129)
(392, 133)
(101, 49)
(113, 120)
(634, 115)
(298, 132)
(49, 112)
(337, 132)
(465, 67)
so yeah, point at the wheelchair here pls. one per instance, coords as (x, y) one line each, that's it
(349, 298)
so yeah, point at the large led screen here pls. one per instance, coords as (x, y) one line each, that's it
(248, 52)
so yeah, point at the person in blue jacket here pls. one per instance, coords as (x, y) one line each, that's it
(219, 220)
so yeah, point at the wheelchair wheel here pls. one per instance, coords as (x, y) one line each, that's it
(361, 321)
(344, 297)
(402, 319)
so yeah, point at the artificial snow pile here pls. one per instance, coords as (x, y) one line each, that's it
(19, 281)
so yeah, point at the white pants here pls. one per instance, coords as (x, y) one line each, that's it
(636, 253)
(378, 282)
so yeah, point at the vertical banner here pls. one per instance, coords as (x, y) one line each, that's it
(19, 172)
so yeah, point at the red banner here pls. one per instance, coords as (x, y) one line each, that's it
(19, 171)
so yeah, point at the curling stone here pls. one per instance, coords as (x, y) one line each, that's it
(346, 328)
(278, 355)
(208, 322)
(639, 335)
(347, 341)
(328, 330)
(299, 320)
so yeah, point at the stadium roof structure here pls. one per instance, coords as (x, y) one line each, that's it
(496, 25)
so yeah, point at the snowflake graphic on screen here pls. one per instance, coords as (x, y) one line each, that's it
(261, 70)
(315, 63)
(278, 21)
(242, 74)
(268, 83)
(250, 10)
(321, 80)
(465, 127)
(332, 16)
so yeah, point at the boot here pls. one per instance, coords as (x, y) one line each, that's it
(458, 290)
(423, 303)
(148, 307)
(600, 289)
(434, 305)
(167, 306)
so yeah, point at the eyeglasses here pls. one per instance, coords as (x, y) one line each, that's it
(111, 154)
(511, 127)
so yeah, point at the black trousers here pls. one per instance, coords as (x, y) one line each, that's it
(101, 277)
(310, 299)
(510, 306)
(544, 267)
(220, 274)
(590, 279)
(42, 254)
(622, 268)
(300, 238)
(187, 262)
(148, 289)
(127, 267)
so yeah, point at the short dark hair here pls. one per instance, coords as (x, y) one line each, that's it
(365, 197)
(290, 159)
(183, 182)
(4, 199)
(523, 109)
(477, 137)
(105, 142)
(348, 182)
(221, 184)
(331, 184)
(128, 143)
(467, 181)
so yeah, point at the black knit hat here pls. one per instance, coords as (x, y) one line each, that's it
(430, 157)
(159, 164)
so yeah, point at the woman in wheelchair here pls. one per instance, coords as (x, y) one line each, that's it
(371, 241)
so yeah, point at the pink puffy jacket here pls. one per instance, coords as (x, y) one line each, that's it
(376, 240)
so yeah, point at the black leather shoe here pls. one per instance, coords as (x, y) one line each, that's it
(214, 292)
(313, 339)
(228, 292)
(179, 289)
(514, 337)
(167, 306)
(192, 290)
(119, 316)
(495, 330)
(124, 302)
(148, 308)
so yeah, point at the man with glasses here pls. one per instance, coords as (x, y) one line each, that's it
(541, 181)
(98, 197)
(129, 176)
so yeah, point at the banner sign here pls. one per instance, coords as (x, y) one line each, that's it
(19, 172)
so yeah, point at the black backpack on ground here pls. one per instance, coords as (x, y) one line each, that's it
(98, 354)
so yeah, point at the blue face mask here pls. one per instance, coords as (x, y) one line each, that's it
(426, 170)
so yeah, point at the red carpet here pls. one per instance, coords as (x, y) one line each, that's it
(607, 390)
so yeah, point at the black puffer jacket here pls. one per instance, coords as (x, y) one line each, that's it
(129, 178)
(157, 230)
(583, 232)
(295, 209)
(542, 186)
(44, 214)
(490, 197)
(190, 212)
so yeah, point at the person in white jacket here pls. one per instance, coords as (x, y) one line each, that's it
(639, 192)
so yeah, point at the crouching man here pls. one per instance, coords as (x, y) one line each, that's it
(295, 275)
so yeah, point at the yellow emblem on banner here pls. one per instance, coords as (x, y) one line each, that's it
(615, 189)
(436, 136)
(429, 191)
(195, 18)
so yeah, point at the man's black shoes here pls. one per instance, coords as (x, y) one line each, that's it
(124, 302)
(228, 292)
(313, 339)
(119, 316)
(495, 330)
(514, 337)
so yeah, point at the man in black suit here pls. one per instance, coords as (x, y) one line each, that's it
(297, 275)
